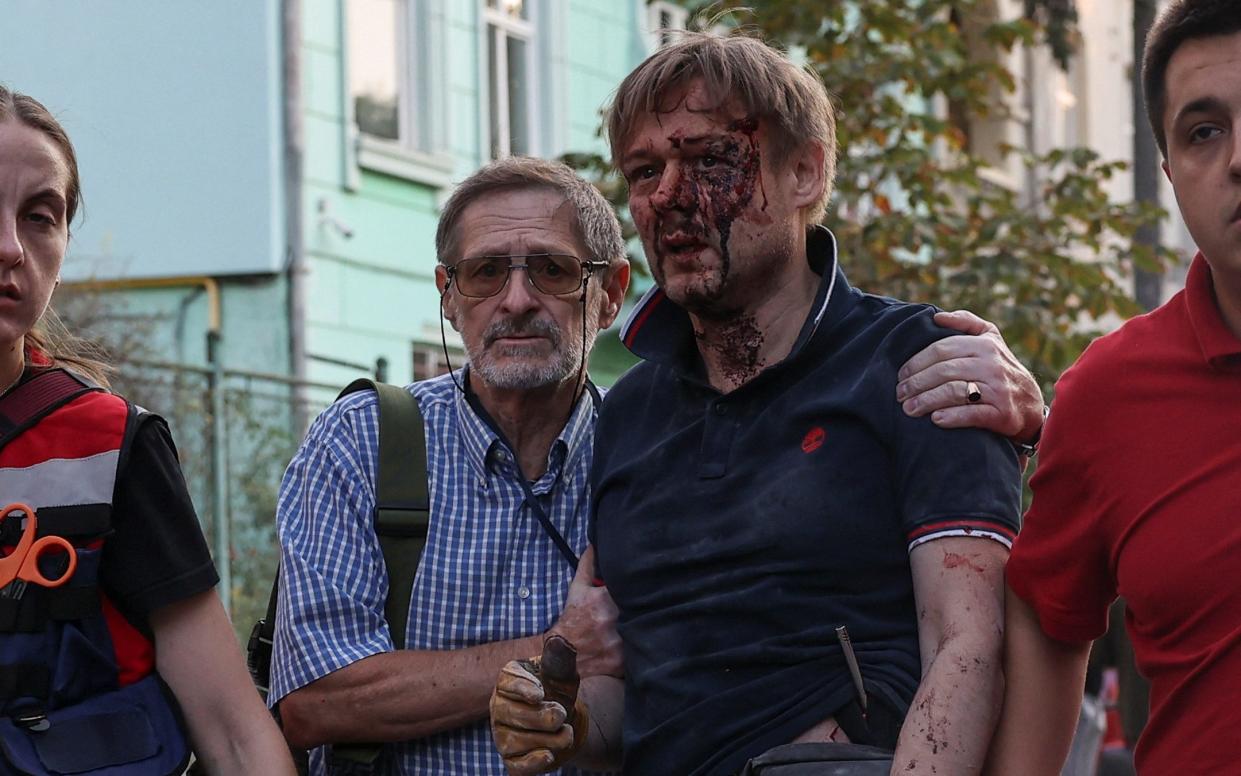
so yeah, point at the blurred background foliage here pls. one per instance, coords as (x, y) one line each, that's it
(921, 207)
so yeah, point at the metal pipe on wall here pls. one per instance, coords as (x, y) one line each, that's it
(294, 149)
(207, 283)
(219, 471)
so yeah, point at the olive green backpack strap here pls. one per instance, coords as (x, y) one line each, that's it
(402, 501)
(402, 514)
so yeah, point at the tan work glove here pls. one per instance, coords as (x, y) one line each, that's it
(532, 734)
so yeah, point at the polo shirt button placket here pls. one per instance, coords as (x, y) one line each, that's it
(718, 432)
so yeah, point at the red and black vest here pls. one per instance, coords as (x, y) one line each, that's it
(78, 690)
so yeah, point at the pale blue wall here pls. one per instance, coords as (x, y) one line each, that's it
(175, 111)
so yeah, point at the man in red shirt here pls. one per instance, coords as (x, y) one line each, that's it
(1138, 492)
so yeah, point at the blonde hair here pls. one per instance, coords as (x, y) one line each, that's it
(733, 68)
(50, 343)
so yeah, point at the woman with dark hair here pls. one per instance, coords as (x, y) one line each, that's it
(130, 662)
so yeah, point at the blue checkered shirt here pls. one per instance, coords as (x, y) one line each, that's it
(489, 572)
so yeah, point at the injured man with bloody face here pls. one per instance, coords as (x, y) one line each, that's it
(794, 559)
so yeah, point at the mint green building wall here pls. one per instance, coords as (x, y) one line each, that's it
(372, 295)
(605, 40)
(181, 140)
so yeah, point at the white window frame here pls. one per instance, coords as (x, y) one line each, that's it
(420, 152)
(424, 354)
(655, 9)
(496, 28)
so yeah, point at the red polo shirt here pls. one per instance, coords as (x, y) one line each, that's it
(1138, 493)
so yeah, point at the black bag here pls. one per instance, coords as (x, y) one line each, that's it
(820, 759)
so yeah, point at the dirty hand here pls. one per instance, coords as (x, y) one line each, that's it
(937, 381)
(532, 734)
(588, 622)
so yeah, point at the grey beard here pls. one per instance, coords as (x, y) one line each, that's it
(523, 374)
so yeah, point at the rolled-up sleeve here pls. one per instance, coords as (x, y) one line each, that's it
(333, 582)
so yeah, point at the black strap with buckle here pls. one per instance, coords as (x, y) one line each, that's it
(30, 401)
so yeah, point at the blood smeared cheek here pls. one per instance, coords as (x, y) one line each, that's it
(729, 187)
(644, 217)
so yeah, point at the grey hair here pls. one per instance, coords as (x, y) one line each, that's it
(596, 222)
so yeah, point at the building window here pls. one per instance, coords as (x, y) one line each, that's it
(663, 19)
(378, 64)
(396, 92)
(509, 71)
(429, 360)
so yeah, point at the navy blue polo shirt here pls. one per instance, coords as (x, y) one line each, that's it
(736, 531)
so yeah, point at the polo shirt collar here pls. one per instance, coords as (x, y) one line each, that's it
(485, 449)
(659, 330)
(1220, 347)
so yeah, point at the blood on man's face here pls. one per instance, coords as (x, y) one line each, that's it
(716, 220)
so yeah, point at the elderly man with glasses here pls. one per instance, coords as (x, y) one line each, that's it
(508, 449)
(531, 266)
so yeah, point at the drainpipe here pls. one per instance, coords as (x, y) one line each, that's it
(204, 282)
(219, 465)
(291, 38)
(215, 385)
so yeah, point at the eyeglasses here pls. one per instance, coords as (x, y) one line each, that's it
(550, 273)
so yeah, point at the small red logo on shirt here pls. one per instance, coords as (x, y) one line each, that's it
(813, 439)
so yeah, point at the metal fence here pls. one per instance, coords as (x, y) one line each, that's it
(235, 432)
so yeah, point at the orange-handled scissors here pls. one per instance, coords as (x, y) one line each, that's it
(22, 564)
